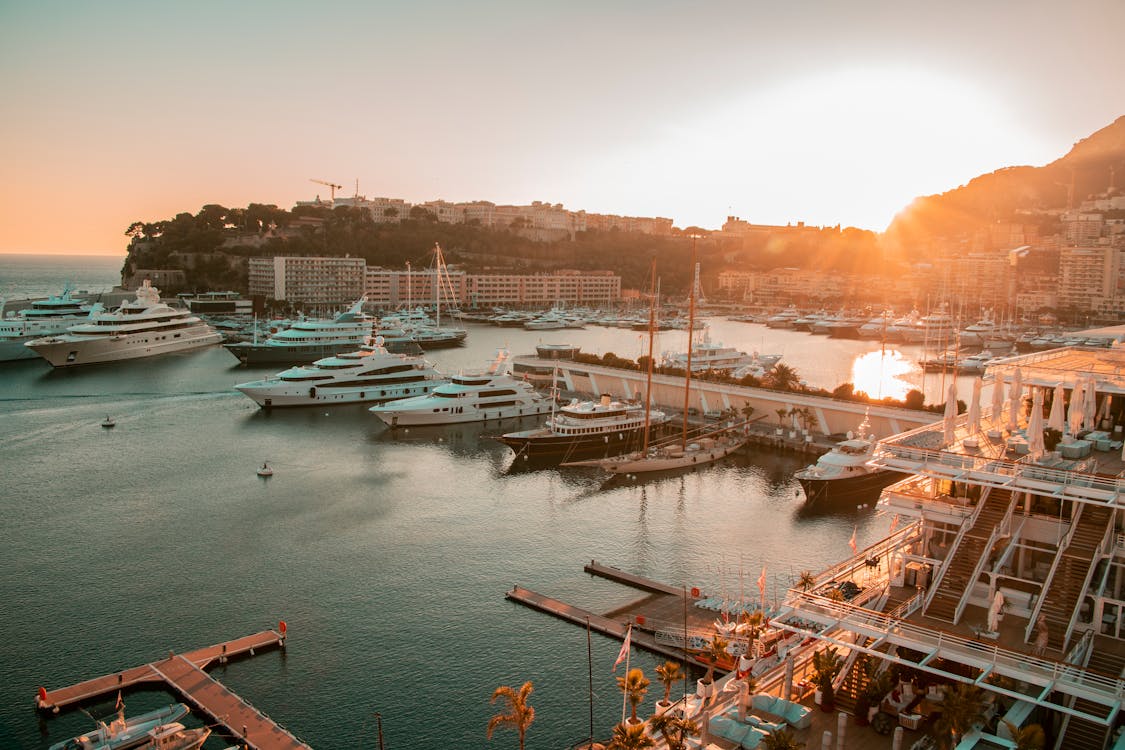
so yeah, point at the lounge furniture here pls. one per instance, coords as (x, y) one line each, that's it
(733, 730)
(773, 708)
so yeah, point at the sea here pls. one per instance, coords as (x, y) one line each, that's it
(387, 553)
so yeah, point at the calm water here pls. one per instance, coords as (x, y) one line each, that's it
(388, 554)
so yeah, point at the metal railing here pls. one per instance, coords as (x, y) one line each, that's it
(969, 522)
(1100, 551)
(998, 530)
(1046, 588)
(859, 560)
(1064, 678)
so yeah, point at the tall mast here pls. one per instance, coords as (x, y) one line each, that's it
(690, 336)
(651, 335)
(437, 283)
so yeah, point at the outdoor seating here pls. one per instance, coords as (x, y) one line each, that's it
(793, 714)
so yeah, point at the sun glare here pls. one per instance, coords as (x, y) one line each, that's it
(877, 374)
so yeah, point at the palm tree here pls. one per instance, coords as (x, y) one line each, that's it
(520, 713)
(826, 665)
(782, 739)
(630, 737)
(753, 620)
(674, 729)
(634, 685)
(716, 650)
(781, 414)
(782, 377)
(669, 673)
(962, 709)
(807, 580)
(1031, 737)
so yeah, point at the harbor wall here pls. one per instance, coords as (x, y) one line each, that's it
(829, 416)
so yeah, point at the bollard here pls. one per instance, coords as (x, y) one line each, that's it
(826, 741)
(896, 743)
(841, 726)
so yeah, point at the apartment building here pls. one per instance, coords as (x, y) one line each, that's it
(307, 280)
(386, 288)
(1091, 279)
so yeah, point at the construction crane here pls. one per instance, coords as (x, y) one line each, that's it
(332, 186)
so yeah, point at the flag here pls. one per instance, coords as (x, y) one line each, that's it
(624, 647)
(894, 523)
(851, 542)
(762, 583)
(120, 704)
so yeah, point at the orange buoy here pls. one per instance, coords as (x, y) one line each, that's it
(695, 591)
(42, 694)
(282, 626)
(640, 619)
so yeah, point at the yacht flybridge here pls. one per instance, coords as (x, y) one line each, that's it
(1004, 566)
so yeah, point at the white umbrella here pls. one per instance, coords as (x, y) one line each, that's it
(1074, 412)
(1090, 408)
(950, 422)
(1057, 420)
(997, 401)
(974, 408)
(1035, 445)
(994, 612)
(1014, 396)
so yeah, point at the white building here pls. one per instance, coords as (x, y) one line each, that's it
(308, 280)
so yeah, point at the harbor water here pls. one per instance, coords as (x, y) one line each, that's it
(388, 553)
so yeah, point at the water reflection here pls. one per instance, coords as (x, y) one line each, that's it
(878, 374)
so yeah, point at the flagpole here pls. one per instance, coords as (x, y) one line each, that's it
(590, 663)
(628, 653)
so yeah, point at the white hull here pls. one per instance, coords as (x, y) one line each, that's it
(274, 395)
(71, 351)
(13, 349)
(411, 418)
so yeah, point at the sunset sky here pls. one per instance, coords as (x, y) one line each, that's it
(826, 112)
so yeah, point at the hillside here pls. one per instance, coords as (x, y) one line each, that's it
(1016, 193)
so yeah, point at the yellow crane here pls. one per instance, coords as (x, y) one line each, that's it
(332, 186)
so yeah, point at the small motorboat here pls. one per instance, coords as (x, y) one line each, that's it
(108, 422)
(265, 471)
(123, 733)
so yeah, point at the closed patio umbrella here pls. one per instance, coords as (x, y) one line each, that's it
(1074, 413)
(1057, 420)
(1090, 408)
(974, 408)
(994, 612)
(997, 401)
(1035, 445)
(950, 422)
(1014, 396)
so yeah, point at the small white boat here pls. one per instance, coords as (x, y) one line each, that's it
(265, 471)
(123, 733)
(108, 422)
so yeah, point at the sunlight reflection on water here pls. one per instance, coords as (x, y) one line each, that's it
(878, 374)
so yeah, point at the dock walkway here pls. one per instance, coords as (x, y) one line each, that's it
(183, 674)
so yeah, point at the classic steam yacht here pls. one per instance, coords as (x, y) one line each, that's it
(45, 317)
(308, 339)
(585, 429)
(468, 397)
(144, 327)
(370, 374)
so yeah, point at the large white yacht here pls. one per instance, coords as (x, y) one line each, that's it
(468, 397)
(706, 356)
(45, 317)
(143, 327)
(308, 339)
(370, 374)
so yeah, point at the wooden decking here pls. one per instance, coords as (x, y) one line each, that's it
(183, 674)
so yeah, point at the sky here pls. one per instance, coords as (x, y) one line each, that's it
(819, 111)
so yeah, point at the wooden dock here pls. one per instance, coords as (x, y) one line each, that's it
(183, 674)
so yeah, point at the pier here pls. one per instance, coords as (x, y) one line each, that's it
(183, 675)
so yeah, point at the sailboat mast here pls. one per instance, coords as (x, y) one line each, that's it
(690, 336)
(437, 283)
(651, 336)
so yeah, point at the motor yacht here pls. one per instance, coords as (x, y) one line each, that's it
(585, 429)
(843, 476)
(123, 733)
(370, 374)
(144, 327)
(468, 397)
(707, 356)
(783, 319)
(45, 317)
(308, 339)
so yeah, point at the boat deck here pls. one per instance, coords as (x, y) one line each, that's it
(183, 674)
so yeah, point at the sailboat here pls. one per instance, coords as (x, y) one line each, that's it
(703, 449)
(434, 336)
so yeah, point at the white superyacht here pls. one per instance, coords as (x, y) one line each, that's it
(469, 397)
(45, 317)
(370, 374)
(143, 327)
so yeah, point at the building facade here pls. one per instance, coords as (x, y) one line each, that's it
(307, 280)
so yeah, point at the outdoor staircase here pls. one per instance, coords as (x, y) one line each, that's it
(1065, 588)
(855, 681)
(955, 584)
(1080, 734)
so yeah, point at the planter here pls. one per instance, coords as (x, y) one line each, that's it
(705, 688)
(744, 664)
(818, 696)
(662, 706)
